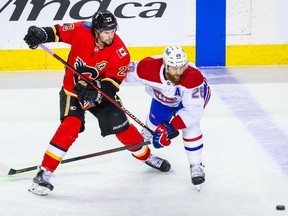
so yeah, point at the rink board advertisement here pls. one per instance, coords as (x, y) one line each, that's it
(256, 34)
(141, 23)
(146, 27)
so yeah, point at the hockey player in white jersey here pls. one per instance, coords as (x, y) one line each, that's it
(179, 94)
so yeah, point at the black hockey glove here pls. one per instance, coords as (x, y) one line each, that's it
(35, 36)
(86, 92)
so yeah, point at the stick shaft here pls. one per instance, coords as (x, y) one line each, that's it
(4, 169)
(12, 171)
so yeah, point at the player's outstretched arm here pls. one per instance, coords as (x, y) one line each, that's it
(35, 36)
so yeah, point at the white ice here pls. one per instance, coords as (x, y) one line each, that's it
(246, 152)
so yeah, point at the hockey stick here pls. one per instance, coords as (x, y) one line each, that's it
(4, 169)
(10, 171)
(94, 86)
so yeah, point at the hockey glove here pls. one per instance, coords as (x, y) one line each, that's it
(86, 92)
(35, 36)
(163, 133)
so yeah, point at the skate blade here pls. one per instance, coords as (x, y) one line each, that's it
(39, 190)
(198, 188)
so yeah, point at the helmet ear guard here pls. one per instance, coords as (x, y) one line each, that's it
(103, 20)
(174, 56)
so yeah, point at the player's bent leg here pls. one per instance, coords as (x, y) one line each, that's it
(64, 137)
(132, 136)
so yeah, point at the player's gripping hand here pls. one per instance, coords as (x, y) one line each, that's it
(163, 133)
(86, 92)
(35, 36)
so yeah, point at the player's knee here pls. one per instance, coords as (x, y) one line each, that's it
(67, 132)
(73, 123)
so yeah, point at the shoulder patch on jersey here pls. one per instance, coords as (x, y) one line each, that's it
(192, 78)
(87, 24)
(68, 26)
(122, 52)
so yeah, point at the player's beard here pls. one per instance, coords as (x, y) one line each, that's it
(108, 42)
(174, 79)
(102, 44)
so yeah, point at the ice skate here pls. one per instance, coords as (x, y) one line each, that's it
(158, 163)
(41, 183)
(147, 135)
(197, 175)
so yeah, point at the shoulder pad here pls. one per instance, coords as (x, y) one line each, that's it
(149, 69)
(192, 78)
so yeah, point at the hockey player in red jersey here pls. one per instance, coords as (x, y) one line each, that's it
(99, 54)
(179, 94)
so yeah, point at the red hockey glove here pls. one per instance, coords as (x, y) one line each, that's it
(163, 133)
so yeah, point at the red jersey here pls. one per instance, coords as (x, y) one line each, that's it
(110, 62)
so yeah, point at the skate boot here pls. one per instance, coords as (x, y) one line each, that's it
(147, 135)
(158, 163)
(41, 183)
(197, 174)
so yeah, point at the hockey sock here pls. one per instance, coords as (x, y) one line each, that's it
(64, 137)
(194, 148)
(132, 136)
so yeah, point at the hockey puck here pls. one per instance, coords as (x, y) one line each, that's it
(280, 207)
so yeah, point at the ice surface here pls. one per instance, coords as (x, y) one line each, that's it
(246, 152)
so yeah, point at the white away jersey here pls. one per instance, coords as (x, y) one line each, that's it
(192, 91)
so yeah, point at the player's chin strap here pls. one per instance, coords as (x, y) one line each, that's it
(95, 87)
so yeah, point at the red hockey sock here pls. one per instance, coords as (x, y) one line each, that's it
(64, 137)
(132, 136)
